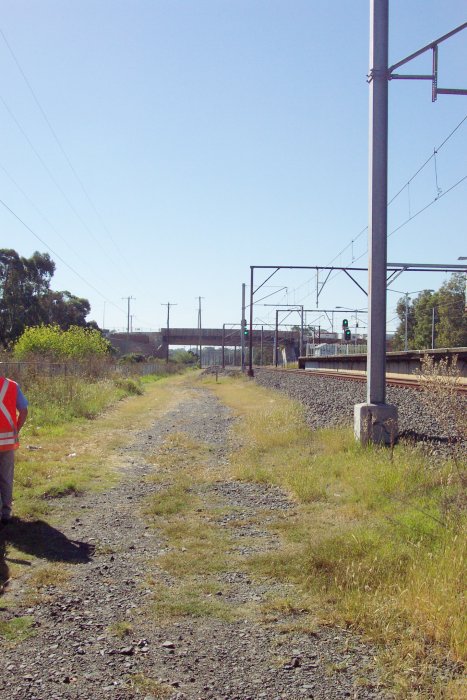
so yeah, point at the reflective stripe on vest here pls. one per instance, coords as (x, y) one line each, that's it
(8, 438)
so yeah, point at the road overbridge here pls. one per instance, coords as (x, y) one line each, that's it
(154, 343)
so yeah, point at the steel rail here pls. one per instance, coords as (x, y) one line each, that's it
(350, 375)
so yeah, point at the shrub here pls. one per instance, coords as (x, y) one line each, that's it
(55, 344)
(130, 386)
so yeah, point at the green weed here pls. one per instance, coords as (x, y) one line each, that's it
(17, 629)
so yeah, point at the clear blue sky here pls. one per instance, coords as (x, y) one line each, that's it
(210, 135)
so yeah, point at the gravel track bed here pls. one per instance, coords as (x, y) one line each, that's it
(109, 550)
(330, 402)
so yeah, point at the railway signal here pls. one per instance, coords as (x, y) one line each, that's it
(346, 330)
(245, 329)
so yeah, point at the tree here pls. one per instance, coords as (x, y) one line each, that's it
(64, 309)
(398, 342)
(451, 319)
(423, 312)
(23, 283)
(26, 299)
(434, 316)
(185, 357)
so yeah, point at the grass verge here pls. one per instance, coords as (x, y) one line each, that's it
(67, 453)
(66, 460)
(377, 540)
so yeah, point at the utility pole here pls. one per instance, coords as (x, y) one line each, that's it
(242, 328)
(223, 346)
(200, 340)
(168, 305)
(300, 352)
(376, 421)
(406, 330)
(128, 300)
(276, 337)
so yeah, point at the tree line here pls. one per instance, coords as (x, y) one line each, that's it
(27, 300)
(434, 318)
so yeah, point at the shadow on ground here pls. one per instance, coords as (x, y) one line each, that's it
(41, 540)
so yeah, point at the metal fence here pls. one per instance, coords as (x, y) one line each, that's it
(326, 349)
(25, 371)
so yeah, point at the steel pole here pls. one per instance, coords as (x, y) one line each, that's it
(377, 229)
(406, 343)
(276, 338)
(301, 333)
(250, 367)
(200, 334)
(242, 328)
(262, 344)
(168, 333)
(433, 328)
(223, 346)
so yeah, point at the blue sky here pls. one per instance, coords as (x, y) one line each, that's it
(205, 136)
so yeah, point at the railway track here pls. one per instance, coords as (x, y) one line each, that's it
(400, 380)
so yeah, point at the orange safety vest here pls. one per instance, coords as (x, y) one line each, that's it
(8, 417)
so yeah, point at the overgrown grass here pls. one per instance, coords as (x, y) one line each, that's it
(378, 537)
(54, 401)
(64, 449)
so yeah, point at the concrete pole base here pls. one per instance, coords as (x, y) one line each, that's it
(375, 423)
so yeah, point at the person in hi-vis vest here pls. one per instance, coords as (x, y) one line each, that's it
(13, 412)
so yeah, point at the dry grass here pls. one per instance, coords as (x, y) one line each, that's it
(51, 574)
(377, 539)
(80, 455)
(191, 598)
(149, 687)
(197, 547)
(121, 629)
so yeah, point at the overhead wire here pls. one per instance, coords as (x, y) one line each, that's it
(78, 274)
(427, 206)
(40, 212)
(396, 195)
(122, 270)
(57, 140)
(49, 172)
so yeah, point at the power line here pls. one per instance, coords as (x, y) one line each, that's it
(427, 206)
(58, 141)
(433, 155)
(412, 216)
(62, 192)
(50, 174)
(41, 213)
(83, 279)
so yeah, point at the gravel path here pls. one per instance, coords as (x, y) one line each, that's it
(109, 550)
